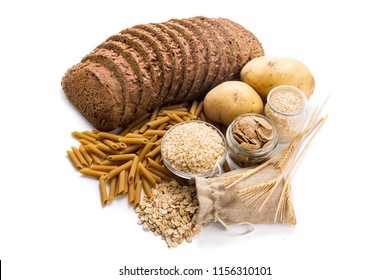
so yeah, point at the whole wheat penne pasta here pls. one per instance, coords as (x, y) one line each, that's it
(91, 134)
(155, 176)
(95, 158)
(202, 117)
(173, 107)
(153, 132)
(147, 174)
(110, 136)
(80, 135)
(131, 193)
(131, 149)
(134, 135)
(159, 121)
(121, 182)
(93, 173)
(153, 153)
(109, 163)
(128, 140)
(169, 126)
(126, 181)
(193, 106)
(154, 114)
(122, 145)
(157, 166)
(125, 157)
(85, 142)
(110, 143)
(199, 109)
(162, 126)
(191, 116)
(103, 191)
(147, 148)
(107, 149)
(139, 120)
(146, 187)
(158, 158)
(104, 168)
(133, 169)
(176, 112)
(176, 118)
(79, 156)
(138, 127)
(74, 160)
(137, 194)
(96, 151)
(159, 174)
(86, 156)
(119, 169)
(113, 184)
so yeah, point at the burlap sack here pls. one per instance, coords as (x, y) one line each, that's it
(216, 203)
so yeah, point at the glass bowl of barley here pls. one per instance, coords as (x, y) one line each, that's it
(193, 149)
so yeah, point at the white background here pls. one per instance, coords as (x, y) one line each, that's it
(52, 225)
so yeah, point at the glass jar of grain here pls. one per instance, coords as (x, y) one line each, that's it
(251, 138)
(286, 107)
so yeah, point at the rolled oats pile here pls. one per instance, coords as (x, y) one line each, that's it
(171, 212)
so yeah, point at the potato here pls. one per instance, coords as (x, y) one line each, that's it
(230, 99)
(266, 72)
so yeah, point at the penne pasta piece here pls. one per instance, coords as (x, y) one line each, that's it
(158, 122)
(79, 156)
(136, 122)
(107, 149)
(159, 174)
(147, 174)
(146, 187)
(176, 112)
(118, 170)
(80, 136)
(109, 136)
(91, 134)
(113, 184)
(103, 191)
(109, 163)
(134, 135)
(104, 168)
(147, 148)
(131, 149)
(152, 132)
(154, 152)
(128, 140)
(96, 151)
(74, 160)
(199, 109)
(85, 142)
(110, 144)
(95, 158)
(133, 169)
(124, 157)
(131, 193)
(86, 156)
(137, 194)
(174, 107)
(176, 118)
(193, 106)
(121, 182)
(93, 173)
(154, 114)
(157, 166)
(162, 126)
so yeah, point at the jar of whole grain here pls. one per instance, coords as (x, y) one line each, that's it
(286, 107)
(251, 138)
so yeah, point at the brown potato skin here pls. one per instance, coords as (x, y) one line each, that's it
(230, 99)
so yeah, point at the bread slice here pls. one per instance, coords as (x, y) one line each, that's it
(163, 60)
(173, 51)
(151, 64)
(124, 74)
(197, 53)
(96, 93)
(187, 60)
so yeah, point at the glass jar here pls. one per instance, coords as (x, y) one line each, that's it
(286, 107)
(241, 156)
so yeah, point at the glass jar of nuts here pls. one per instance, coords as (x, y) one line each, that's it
(251, 138)
(286, 108)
